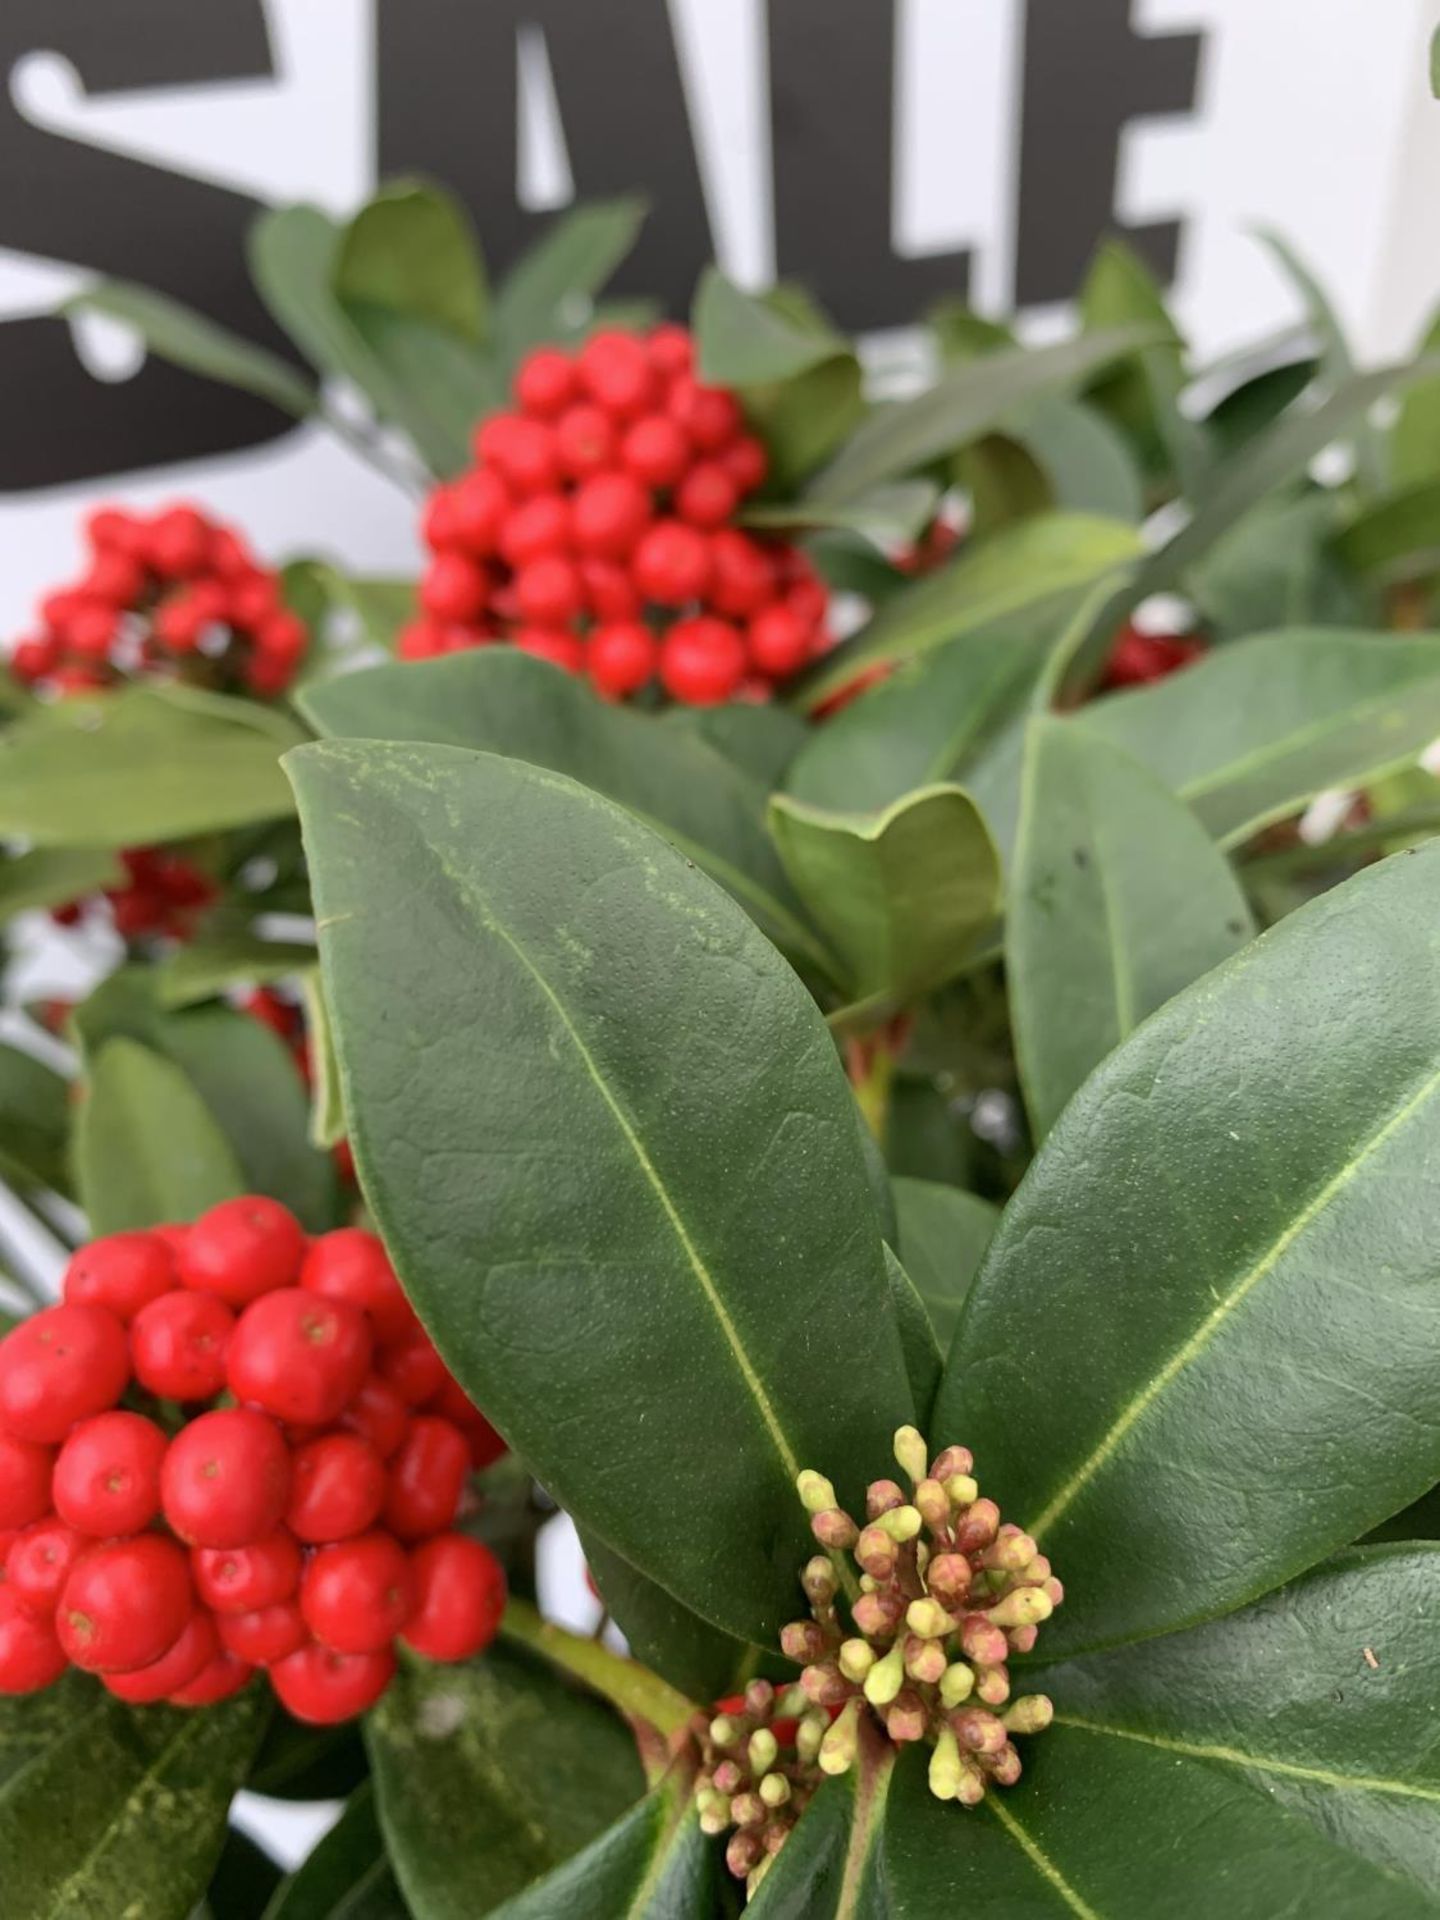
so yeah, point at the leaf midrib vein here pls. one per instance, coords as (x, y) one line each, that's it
(1039, 1859)
(1258, 1762)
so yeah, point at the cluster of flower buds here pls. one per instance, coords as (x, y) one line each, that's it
(757, 1773)
(946, 1594)
(177, 595)
(163, 897)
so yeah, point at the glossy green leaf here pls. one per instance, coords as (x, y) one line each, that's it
(688, 1652)
(141, 766)
(123, 1812)
(490, 1774)
(833, 1866)
(412, 249)
(210, 964)
(964, 403)
(919, 1341)
(298, 1762)
(192, 340)
(743, 340)
(1038, 563)
(243, 1882)
(347, 1876)
(54, 876)
(1205, 1278)
(567, 265)
(901, 894)
(1254, 405)
(1118, 899)
(32, 1723)
(944, 1232)
(566, 974)
(146, 1146)
(504, 701)
(655, 1864)
(36, 1105)
(1257, 729)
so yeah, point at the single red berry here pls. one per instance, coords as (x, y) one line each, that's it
(655, 450)
(357, 1595)
(230, 557)
(545, 382)
(702, 661)
(124, 1272)
(672, 564)
(177, 542)
(337, 1489)
(611, 513)
(32, 659)
(538, 526)
(670, 348)
(548, 591)
(453, 587)
(31, 1656)
(38, 1563)
(224, 1677)
(198, 1644)
(243, 1579)
(93, 630)
(427, 1477)
(452, 1403)
(709, 415)
(413, 1368)
(616, 371)
(124, 1604)
(459, 1598)
(479, 502)
(298, 1355)
(428, 639)
(523, 450)
(437, 521)
(744, 575)
(746, 462)
(778, 641)
(114, 577)
(379, 1415)
(24, 1481)
(111, 528)
(243, 1248)
(707, 496)
(323, 1687)
(620, 658)
(178, 1345)
(60, 1366)
(554, 644)
(283, 639)
(609, 591)
(808, 599)
(267, 1635)
(352, 1265)
(253, 600)
(107, 1478)
(586, 442)
(57, 609)
(226, 1479)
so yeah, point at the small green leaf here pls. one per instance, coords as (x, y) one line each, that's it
(889, 515)
(547, 293)
(1256, 403)
(35, 1115)
(412, 250)
(944, 1232)
(1415, 435)
(379, 607)
(298, 1762)
(490, 1774)
(146, 1147)
(211, 964)
(683, 1649)
(901, 894)
(833, 1866)
(1142, 394)
(742, 340)
(1119, 898)
(1435, 64)
(348, 1875)
(655, 1864)
(1397, 536)
(54, 876)
(918, 1339)
(244, 1879)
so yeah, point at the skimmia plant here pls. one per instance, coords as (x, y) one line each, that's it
(897, 1070)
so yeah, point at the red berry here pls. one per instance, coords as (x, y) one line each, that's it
(672, 564)
(124, 1604)
(230, 557)
(356, 1596)
(609, 592)
(585, 442)
(352, 1265)
(670, 348)
(452, 1403)
(611, 513)
(538, 526)
(226, 1479)
(620, 658)
(485, 1444)
(778, 641)
(111, 528)
(268, 1634)
(107, 1479)
(60, 1366)
(709, 415)
(616, 371)
(242, 1579)
(177, 542)
(744, 576)
(282, 640)
(479, 502)
(428, 639)
(808, 599)
(178, 1345)
(413, 1368)
(337, 1488)
(437, 521)
(31, 1656)
(545, 382)
(299, 1355)
(38, 1563)
(243, 1248)
(554, 644)
(197, 1645)
(702, 661)
(453, 587)
(707, 496)
(323, 1687)
(427, 1477)
(116, 578)
(379, 1415)
(124, 1272)
(32, 659)
(24, 1482)
(253, 600)
(548, 591)
(459, 1598)
(746, 462)
(523, 450)
(224, 1676)
(655, 450)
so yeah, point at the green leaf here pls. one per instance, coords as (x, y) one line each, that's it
(1336, 363)
(35, 1115)
(503, 701)
(1118, 899)
(141, 766)
(348, 1875)
(1415, 435)
(1274, 569)
(560, 966)
(1396, 537)
(742, 340)
(146, 1147)
(833, 1866)
(944, 1232)
(1043, 560)
(54, 876)
(683, 1649)
(192, 340)
(328, 1126)
(901, 894)
(552, 285)
(888, 515)
(1205, 1278)
(1435, 64)
(1142, 394)
(918, 1339)
(490, 1774)
(655, 1864)
(412, 249)
(31, 1723)
(298, 1762)
(1256, 403)
(1252, 733)
(761, 740)
(1084, 459)
(244, 1879)
(123, 1811)
(212, 963)
(379, 607)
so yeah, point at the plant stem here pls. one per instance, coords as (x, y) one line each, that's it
(871, 1067)
(634, 1689)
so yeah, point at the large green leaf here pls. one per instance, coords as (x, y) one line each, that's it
(35, 1115)
(31, 1723)
(121, 1811)
(1275, 568)
(1327, 335)
(244, 1880)
(944, 1232)
(631, 1155)
(901, 894)
(504, 701)
(683, 1649)
(490, 1774)
(1252, 733)
(566, 267)
(142, 766)
(1118, 899)
(348, 1876)
(1218, 1271)
(147, 1148)
(54, 876)
(655, 1864)
(412, 250)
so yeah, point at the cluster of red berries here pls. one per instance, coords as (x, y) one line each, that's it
(1138, 658)
(176, 593)
(302, 1525)
(164, 895)
(596, 531)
